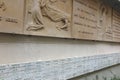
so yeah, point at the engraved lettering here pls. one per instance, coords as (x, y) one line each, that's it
(11, 20)
(85, 19)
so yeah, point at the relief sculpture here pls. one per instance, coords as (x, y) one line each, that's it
(2, 5)
(76, 19)
(43, 8)
(103, 11)
(105, 21)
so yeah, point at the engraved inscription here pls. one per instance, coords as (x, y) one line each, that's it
(11, 16)
(79, 19)
(116, 25)
(9, 20)
(92, 20)
(85, 19)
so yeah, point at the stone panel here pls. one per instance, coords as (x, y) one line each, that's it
(116, 25)
(79, 19)
(48, 18)
(85, 13)
(11, 16)
(104, 29)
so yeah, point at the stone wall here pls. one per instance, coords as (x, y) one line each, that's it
(57, 69)
(111, 73)
(18, 49)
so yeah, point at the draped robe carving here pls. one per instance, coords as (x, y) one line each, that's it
(2, 5)
(43, 8)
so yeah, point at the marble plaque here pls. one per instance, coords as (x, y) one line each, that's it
(48, 18)
(85, 15)
(116, 26)
(11, 16)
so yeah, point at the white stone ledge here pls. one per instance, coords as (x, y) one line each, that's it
(57, 69)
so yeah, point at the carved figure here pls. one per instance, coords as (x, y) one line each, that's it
(2, 5)
(44, 8)
(103, 17)
(103, 14)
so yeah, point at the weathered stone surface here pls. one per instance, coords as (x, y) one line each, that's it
(79, 19)
(85, 14)
(48, 17)
(57, 69)
(11, 16)
(104, 29)
(116, 26)
(92, 20)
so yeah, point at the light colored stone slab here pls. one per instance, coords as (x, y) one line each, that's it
(104, 29)
(58, 69)
(79, 19)
(116, 26)
(11, 16)
(85, 13)
(92, 20)
(48, 18)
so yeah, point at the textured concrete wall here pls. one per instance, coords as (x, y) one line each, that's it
(58, 69)
(105, 74)
(17, 49)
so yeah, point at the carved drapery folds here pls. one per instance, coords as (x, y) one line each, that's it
(2, 5)
(44, 8)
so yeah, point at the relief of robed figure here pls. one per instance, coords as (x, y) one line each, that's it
(43, 8)
(2, 5)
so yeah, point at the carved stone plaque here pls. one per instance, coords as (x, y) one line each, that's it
(48, 17)
(11, 16)
(85, 14)
(104, 24)
(79, 19)
(116, 26)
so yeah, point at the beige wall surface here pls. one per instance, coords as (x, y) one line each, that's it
(18, 49)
